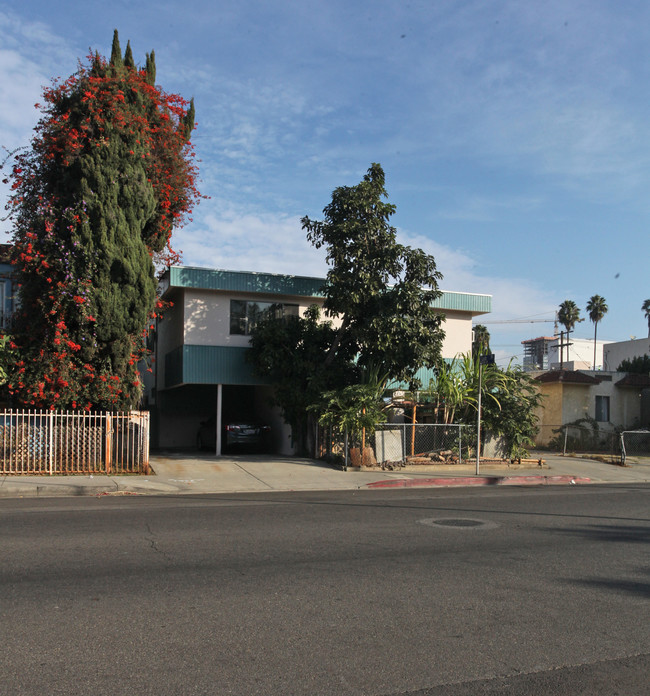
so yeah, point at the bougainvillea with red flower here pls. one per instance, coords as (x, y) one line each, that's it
(109, 175)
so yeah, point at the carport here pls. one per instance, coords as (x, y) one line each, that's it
(180, 411)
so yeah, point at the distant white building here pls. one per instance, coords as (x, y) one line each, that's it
(615, 353)
(578, 354)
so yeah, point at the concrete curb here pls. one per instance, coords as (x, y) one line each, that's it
(53, 490)
(478, 481)
(33, 489)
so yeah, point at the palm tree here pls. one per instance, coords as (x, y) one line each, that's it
(481, 340)
(568, 315)
(646, 308)
(597, 308)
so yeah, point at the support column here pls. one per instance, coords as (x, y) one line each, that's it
(218, 418)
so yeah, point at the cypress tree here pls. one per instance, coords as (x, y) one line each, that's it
(116, 51)
(128, 56)
(108, 177)
(150, 68)
(188, 121)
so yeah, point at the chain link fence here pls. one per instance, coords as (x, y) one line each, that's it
(394, 445)
(579, 438)
(635, 443)
(590, 438)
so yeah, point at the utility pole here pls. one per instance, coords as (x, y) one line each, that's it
(483, 360)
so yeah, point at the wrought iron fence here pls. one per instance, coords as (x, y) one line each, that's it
(396, 444)
(71, 442)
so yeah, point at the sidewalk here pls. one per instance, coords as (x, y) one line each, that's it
(185, 474)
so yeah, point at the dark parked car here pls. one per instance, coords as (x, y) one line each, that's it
(245, 435)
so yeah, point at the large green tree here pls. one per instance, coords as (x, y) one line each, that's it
(108, 176)
(381, 292)
(639, 365)
(596, 308)
(378, 299)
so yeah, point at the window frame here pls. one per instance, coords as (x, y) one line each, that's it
(250, 312)
(602, 409)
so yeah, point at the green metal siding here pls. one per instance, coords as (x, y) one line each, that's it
(239, 281)
(464, 302)
(174, 367)
(227, 365)
(303, 286)
(424, 374)
(208, 365)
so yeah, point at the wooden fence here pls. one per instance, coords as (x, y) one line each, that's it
(73, 442)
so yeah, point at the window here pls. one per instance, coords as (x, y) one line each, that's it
(245, 314)
(602, 409)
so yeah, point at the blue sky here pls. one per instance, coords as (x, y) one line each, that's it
(514, 135)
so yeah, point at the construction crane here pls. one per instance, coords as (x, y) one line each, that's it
(526, 321)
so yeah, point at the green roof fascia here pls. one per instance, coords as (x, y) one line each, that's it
(302, 286)
(241, 281)
(464, 302)
(191, 364)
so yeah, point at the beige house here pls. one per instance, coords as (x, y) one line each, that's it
(613, 400)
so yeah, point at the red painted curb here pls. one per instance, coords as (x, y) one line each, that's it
(478, 481)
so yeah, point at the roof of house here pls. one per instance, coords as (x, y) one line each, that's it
(634, 380)
(567, 377)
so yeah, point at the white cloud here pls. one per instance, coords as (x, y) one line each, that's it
(488, 209)
(29, 54)
(513, 297)
(264, 243)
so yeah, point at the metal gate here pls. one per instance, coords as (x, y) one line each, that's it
(73, 442)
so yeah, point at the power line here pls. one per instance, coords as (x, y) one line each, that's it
(521, 321)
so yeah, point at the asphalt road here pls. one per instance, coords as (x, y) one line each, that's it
(428, 592)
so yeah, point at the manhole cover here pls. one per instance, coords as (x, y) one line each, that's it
(459, 522)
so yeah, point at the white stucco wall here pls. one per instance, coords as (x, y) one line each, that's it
(615, 353)
(458, 334)
(624, 402)
(202, 317)
(207, 316)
